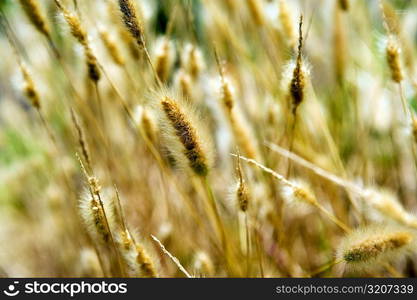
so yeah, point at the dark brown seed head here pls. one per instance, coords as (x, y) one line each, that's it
(131, 21)
(298, 80)
(92, 65)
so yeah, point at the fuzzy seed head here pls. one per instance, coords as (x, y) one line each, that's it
(112, 48)
(94, 185)
(298, 81)
(192, 61)
(393, 59)
(164, 59)
(74, 24)
(145, 263)
(242, 195)
(184, 130)
(242, 192)
(227, 95)
(131, 21)
(145, 120)
(297, 86)
(33, 12)
(242, 132)
(183, 83)
(127, 251)
(134, 256)
(298, 192)
(94, 218)
(369, 248)
(29, 88)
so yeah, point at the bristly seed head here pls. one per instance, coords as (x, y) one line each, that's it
(29, 88)
(374, 247)
(187, 135)
(112, 48)
(131, 21)
(94, 217)
(242, 192)
(370, 248)
(164, 58)
(393, 59)
(74, 24)
(298, 80)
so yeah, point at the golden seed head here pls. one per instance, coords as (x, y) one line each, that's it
(304, 195)
(94, 184)
(183, 82)
(164, 59)
(131, 21)
(192, 61)
(74, 24)
(242, 132)
(145, 119)
(242, 195)
(112, 48)
(187, 135)
(393, 59)
(373, 247)
(227, 95)
(242, 192)
(33, 11)
(94, 218)
(126, 240)
(29, 88)
(297, 192)
(134, 256)
(144, 261)
(369, 248)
